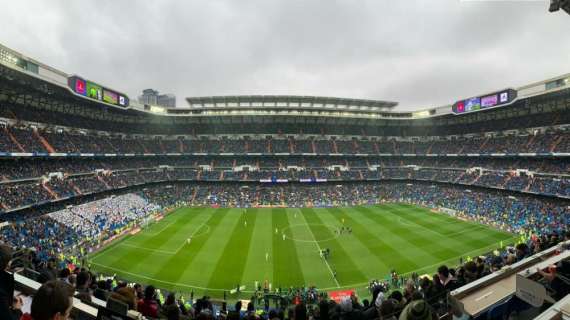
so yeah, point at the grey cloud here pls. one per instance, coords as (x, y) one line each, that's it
(421, 53)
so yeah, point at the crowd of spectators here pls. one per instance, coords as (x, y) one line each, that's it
(52, 234)
(518, 213)
(22, 139)
(15, 194)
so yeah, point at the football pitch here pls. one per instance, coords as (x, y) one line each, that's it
(209, 251)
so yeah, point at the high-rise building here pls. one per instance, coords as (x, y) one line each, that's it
(167, 100)
(153, 97)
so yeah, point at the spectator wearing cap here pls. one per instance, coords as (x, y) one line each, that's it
(389, 310)
(418, 310)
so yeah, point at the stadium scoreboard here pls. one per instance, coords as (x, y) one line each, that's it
(484, 102)
(97, 92)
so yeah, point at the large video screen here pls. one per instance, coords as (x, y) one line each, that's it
(110, 97)
(97, 92)
(484, 102)
(489, 101)
(472, 104)
(94, 91)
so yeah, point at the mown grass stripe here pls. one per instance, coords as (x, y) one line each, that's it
(466, 239)
(341, 261)
(375, 244)
(286, 264)
(136, 258)
(257, 268)
(314, 270)
(425, 240)
(397, 235)
(171, 269)
(232, 263)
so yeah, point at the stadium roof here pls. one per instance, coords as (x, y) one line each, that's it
(286, 101)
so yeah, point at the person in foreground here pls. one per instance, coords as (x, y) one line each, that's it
(9, 307)
(53, 301)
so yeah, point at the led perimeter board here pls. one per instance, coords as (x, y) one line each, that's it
(96, 92)
(484, 102)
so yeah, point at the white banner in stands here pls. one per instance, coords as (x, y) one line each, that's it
(448, 211)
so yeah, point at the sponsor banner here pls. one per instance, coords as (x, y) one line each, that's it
(21, 154)
(338, 295)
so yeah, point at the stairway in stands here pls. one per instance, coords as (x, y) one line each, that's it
(75, 188)
(476, 179)
(194, 193)
(482, 147)
(459, 178)
(292, 146)
(555, 143)
(103, 182)
(14, 140)
(507, 179)
(44, 142)
(334, 146)
(52, 193)
(527, 188)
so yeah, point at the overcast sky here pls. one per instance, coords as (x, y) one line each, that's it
(420, 53)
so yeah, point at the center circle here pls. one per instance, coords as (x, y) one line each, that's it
(311, 232)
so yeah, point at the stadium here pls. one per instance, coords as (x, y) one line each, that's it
(283, 206)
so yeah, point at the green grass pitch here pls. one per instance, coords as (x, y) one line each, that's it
(228, 247)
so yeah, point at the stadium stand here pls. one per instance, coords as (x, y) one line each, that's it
(77, 173)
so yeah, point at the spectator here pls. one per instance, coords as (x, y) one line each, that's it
(148, 306)
(301, 311)
(53, 301)
(125, 295)
(418, 310)
(9, 307)
(83, 283)
(446, 279)
(170, 308)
